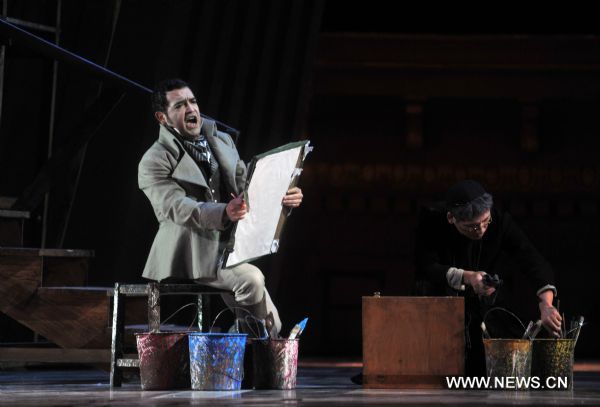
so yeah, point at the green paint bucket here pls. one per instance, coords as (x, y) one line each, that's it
(553, 362)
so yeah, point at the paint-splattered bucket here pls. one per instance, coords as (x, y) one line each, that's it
(275, 363)
(216, 360)
(164, 360)
(508, 358)
(553, 362)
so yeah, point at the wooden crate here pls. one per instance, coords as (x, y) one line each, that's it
(412, 342)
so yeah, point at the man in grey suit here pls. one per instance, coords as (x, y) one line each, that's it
(193, 177)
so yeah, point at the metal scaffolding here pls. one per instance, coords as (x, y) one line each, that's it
(55, 30)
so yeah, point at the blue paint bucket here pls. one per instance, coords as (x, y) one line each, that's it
(216, 360)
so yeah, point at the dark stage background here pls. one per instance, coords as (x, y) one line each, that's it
(399, 105)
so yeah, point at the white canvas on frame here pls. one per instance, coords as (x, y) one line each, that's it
(272, 176)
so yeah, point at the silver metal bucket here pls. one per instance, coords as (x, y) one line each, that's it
(508, 358)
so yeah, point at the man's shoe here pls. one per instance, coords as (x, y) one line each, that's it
(251, 326)
(357, 379)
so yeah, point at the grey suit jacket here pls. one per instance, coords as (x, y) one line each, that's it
(187, 244)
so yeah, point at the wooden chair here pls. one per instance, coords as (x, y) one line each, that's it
(153, 291)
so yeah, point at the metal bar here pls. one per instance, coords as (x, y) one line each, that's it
(22, 37)
(29, 24)
(128, 363)
(116, 12)
(22, 243)
(134, 290)
(75, 188)
(51, 126)
(205, 323)
(31, 252)
(141, 290)
(116, 348)
(54, 81)
(2, 59)
(55, 169)
(61, 240)
(200, 311)
(45, 220)
(9, 213)
(153, 307)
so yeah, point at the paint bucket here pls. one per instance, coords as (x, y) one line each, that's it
(508, 358)
(216, 360)
(553, 362)
(164, 360)
(275, 363)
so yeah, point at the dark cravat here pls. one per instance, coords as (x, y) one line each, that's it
(200, 152)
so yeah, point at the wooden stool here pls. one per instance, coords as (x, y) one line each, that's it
(153, 291)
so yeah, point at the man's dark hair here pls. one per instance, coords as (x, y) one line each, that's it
(159, 95)
(472, 209)
(467, 199)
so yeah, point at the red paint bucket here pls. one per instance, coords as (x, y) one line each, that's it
(275, 363)
(164, 360)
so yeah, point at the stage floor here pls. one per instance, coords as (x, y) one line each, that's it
(323, 383)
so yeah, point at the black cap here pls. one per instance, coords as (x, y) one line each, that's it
(463, 192)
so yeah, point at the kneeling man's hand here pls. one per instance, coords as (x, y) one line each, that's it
(549, 315)
(475, 280)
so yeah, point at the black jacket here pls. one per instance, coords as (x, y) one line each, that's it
(503, 250)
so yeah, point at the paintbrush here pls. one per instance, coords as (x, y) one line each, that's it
(486, 334)
(298, 329)
(526, 333)
(580, 323)
(572, 325)
(536, 329)
(270, 326)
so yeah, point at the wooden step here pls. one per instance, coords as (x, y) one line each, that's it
(50, 267)
(7, 202)
(12, 214)
(54, 355)
(70, 317)
(12, 226)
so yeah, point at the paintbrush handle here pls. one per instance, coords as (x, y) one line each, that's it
(578, 330)
(536, 330)
(484, 330)
(527, 330)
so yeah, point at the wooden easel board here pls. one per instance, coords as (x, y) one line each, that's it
(412, 342)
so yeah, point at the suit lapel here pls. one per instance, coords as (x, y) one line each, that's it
(226, 156)
(186, 169)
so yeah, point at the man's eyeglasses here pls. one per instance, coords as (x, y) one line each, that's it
(476, 227)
